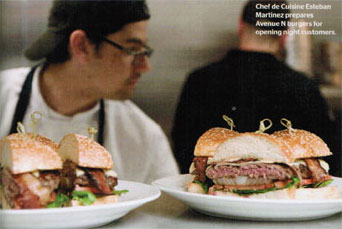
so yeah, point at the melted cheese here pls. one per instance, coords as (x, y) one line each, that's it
(296, 163)
(210, 160)
(192, 168)
(245, 163)
(79, 172)
(36, 174)
(110, 173)
(324, 165)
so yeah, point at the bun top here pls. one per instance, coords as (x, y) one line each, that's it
(303, 144)
(84, 151)
(209, 141)
(260, 146)
(21, 153)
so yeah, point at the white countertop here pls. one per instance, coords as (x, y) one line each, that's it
(167, 212)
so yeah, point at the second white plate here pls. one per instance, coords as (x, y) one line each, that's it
(81, 217)
(250, 209)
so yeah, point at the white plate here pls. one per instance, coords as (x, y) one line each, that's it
(81, 217)
(250, 209)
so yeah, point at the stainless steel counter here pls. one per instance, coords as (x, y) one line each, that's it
(167, 212)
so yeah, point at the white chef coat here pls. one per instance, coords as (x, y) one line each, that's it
(139, 147)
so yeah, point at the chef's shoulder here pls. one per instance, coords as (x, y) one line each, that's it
(13, 79)
(130, 115)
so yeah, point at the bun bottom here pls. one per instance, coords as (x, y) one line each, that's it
(195, 188)
(111, 199)
(324, 193)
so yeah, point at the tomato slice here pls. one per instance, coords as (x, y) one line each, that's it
(247, 187)
(306, 182)
(277, 184)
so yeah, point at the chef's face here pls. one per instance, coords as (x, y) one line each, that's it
(115, 72)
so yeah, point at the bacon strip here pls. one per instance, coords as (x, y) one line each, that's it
(200, 165)
(34, 184)
(318, 173)
(17, 193)
(99, 179)
(68, 176)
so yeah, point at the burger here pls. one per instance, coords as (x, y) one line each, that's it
(307, 150)
(87, 176)
(29, 171)
(204, 151)
(259, 165)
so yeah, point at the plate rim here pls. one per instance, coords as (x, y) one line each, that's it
(128, 203)
(167, 188)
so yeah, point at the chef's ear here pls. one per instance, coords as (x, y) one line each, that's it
(283, 39)
(79, 45)
(241, 26)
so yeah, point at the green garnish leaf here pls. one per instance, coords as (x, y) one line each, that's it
(60, 201)
(203, 185)
(323, 184)
(249, 192)
(295, 180)
(84, 197)
(307, 186)
(120, 192)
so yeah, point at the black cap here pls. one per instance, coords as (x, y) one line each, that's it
(250, 10)
(97, 17)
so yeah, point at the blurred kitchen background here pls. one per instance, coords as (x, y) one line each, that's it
(187, 34)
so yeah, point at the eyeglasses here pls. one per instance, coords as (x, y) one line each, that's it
(146, 52)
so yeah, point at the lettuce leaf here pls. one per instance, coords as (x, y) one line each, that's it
(249, 192)
(84, 197)
(204, 186)
(319, 185)
(120, 192)
(323, 184)
(295, 180)
(60, 201)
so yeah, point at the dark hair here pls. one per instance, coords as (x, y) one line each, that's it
(250, 11)
(97, 18)
(61, 53)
